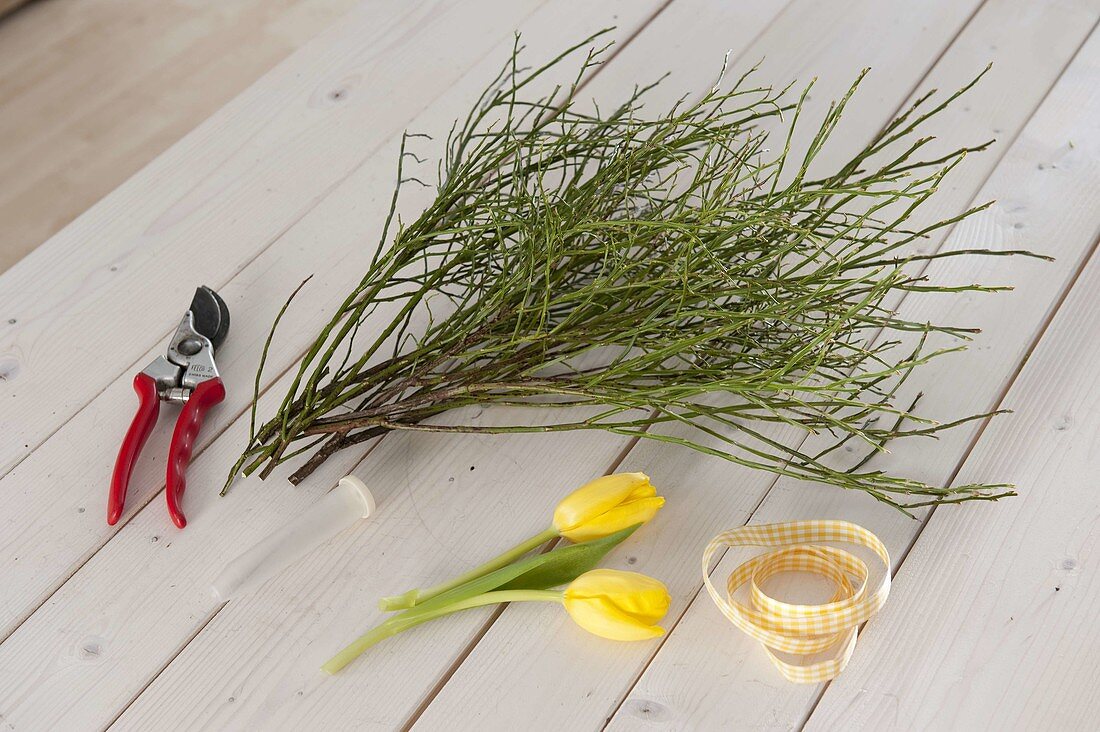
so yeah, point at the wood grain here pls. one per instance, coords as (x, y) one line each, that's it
(110, 285)
(82, 451)
(707, 495)
(92, 90)
(1042, 212)
(129, 655)
(994, 609)
(212, 649)
(117, 629)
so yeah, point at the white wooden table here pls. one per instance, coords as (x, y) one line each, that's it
(993, 618)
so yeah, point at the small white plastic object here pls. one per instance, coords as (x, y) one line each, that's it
(337, 510)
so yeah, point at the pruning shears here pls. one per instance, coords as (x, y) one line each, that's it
(186, 375)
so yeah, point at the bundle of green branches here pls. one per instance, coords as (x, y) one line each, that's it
(669, 273)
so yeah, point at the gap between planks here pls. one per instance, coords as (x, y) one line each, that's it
(671, 626)
(445, 678)
(1056, 305)
(163, 335)
(640, 15)
(140, 363)
(262, 248)
(1055, 308)
(947, 234)
(616, 50)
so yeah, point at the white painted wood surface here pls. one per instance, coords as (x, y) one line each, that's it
(105, 627)
(996, 607)
(718, 679)
(326, 243)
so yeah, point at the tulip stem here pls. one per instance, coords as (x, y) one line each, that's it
(412, 618)
(415, 597)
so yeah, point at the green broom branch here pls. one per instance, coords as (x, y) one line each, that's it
(649, 270)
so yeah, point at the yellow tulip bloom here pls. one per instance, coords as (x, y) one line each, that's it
(597, 509)
(607, 505)
(617, 605)
(622, 606)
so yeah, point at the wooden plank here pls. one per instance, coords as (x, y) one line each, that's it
(93, 645)
(7, 6)
(46, 537)
(147, 607)
(78, 116)
(188, 682)
(207, 207)
(285, 507)
(994, 609)
(1036, 208)
(707, 495)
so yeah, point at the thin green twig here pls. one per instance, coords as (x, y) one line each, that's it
(663, 269)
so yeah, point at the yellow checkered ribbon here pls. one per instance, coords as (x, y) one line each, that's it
(802, 629)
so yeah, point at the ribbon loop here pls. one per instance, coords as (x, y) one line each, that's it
(795, 628)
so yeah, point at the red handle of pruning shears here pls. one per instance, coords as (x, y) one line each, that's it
(205, 395)
(136, 435)
(186, 374)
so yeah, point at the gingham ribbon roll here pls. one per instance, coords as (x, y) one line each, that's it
(802, 629)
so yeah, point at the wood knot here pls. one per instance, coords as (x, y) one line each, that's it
(90, 649)
(648, 709)
(9, 368)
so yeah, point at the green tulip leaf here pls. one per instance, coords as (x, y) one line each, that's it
(539, 572)
(565, 564)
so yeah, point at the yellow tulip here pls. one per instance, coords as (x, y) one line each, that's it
(595, 510)
(622, 606)
(617, 605)
(607, 505)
